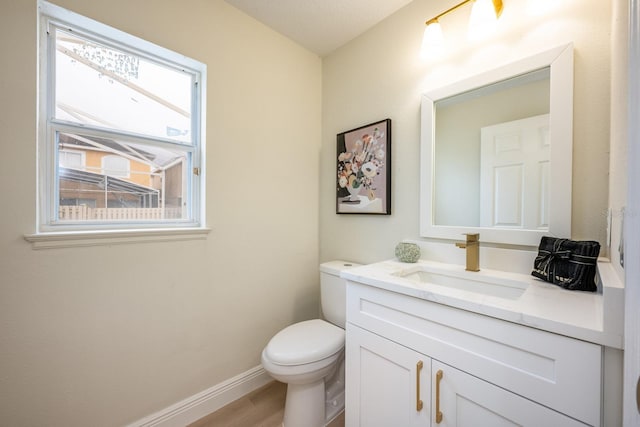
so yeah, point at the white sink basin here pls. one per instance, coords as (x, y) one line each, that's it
(502, 287)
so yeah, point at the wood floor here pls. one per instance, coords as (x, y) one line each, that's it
(262, 408)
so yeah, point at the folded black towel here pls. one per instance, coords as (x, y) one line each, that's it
(567, 263)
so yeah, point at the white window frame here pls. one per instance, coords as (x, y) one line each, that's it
(48, 229)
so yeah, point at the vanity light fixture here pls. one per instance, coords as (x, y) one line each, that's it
(484, 15)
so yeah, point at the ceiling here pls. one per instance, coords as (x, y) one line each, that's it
(321, 26)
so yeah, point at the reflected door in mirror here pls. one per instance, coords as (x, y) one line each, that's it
(514, 174)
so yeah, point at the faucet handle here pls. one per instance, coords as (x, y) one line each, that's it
(472, 237)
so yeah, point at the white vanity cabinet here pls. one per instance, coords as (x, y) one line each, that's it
(493, 372)
(466, 401)
(390, 384)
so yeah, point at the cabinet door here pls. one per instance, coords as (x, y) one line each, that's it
(466, 401)
(385, 382)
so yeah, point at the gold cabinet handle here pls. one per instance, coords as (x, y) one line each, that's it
(419, 403)
(439, 375)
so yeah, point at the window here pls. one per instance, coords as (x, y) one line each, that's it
(71, 159)
(115, 166)
(120, 131)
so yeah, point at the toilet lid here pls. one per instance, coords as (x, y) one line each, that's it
(305, 342)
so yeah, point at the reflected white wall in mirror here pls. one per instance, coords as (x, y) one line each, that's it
(496, 152)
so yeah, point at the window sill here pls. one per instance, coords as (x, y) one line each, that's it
(72, 239)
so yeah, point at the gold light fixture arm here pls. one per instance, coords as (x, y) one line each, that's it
(435, 19)
(497, 6)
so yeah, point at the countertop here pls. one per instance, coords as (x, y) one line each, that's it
(588, 316)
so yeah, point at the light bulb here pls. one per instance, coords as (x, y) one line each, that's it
(432, 41)
(483, 19)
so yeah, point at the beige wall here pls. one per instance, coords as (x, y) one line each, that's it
(618, 156)
(106, 335)
(380, 75)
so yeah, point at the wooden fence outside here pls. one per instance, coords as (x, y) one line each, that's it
(85, 213)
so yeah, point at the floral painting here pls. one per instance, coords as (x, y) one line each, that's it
(364, 170)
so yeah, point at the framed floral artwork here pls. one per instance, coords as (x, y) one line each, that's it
(364, 170)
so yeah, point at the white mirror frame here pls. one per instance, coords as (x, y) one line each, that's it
(560, 61)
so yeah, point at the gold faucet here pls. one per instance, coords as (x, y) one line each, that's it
(472, 245)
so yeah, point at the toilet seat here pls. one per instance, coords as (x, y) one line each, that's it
(305, 343)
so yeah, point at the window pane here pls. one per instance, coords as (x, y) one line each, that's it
(105, 87)
(120, 181)
(70, 159)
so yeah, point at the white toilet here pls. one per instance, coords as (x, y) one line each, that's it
(309, 356)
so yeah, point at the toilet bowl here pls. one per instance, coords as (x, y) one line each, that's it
(309, 357)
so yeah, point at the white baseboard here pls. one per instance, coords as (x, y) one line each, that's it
(202, 404)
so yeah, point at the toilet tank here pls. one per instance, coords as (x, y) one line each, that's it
(333, 291)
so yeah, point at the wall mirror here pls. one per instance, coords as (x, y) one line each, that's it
(496, 153)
